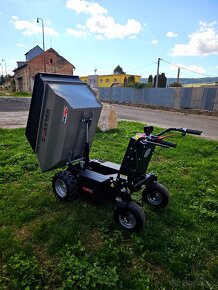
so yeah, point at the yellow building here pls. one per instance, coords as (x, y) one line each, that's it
(107, 81)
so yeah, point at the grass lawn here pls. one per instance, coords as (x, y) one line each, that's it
(48, 244)
(14, 94)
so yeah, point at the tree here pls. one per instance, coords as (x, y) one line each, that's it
(150, 79)
(131, 80)
(139, 85)
(128, 82)
(155, 79)
(162, 81)
(175, 84)
(118, 70)
(2, 80)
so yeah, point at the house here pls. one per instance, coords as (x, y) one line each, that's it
(33, 52)
(110, 80)
(39, 61)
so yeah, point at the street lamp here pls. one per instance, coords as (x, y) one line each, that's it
(3, 60)
(43, 39)
(1, 77)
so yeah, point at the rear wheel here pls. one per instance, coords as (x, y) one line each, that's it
(156, 195)
(131, 217)
(65, 185)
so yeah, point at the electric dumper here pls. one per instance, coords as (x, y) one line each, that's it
(62, 121)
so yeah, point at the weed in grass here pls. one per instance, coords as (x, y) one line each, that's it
(22, 272)
(80, 270)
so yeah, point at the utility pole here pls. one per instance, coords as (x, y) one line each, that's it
(178, 75)
(157, 77)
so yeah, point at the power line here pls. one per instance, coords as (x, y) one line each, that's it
(180, 67)
(146, 65)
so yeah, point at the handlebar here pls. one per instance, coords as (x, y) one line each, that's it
(182, 130)
(167, 143)
(158, 139)
(194, 132)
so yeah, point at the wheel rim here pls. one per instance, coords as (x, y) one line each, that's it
(154, 198)
(60, 188)
(127, 220)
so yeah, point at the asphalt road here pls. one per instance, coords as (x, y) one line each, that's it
(165, 119)
(14, 112)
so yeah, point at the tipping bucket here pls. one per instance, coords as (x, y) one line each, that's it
(56, 126)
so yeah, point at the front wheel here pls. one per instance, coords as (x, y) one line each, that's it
(156, 195)
(131, 217)
(65, 185)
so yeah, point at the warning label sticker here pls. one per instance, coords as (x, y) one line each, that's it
(65, 114)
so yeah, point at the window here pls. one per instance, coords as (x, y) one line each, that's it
(101, 81)
(107, 81)
(51, 60)
(115, 80)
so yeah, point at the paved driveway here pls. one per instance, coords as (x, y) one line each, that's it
(165, 119)
(14, 112)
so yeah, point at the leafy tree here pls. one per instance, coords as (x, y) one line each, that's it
(155, 79)
(125, 82)
(118, 70)
(150, 79)
(162, 81)
(128, 82)
(175, 84)
(140, 85)
(131, 80)
(2, 79)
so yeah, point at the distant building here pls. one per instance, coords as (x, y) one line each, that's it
(25, 72)
(33, 52)
(107, 81)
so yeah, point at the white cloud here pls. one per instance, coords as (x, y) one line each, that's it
(202, 42)
(108, 28)
(100, 25)
(80, 31)
(154, 41)
(171, 34)
(20, 45)
(81, 6)
(192, 67)
(31, 27)
(76, 32)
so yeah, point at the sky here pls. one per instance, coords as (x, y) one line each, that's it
(98, 35)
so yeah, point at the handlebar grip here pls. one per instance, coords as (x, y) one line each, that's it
(194, 132)
(170, 144)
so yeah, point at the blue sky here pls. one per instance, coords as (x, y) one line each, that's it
(101, 34)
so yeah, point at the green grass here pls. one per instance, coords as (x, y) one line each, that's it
(14, 94)
(48, 244)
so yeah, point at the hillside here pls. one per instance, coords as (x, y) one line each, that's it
(184, 81)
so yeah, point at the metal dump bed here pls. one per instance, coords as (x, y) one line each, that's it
(56, 126)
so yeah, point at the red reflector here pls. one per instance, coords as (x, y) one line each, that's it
(86, 189)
